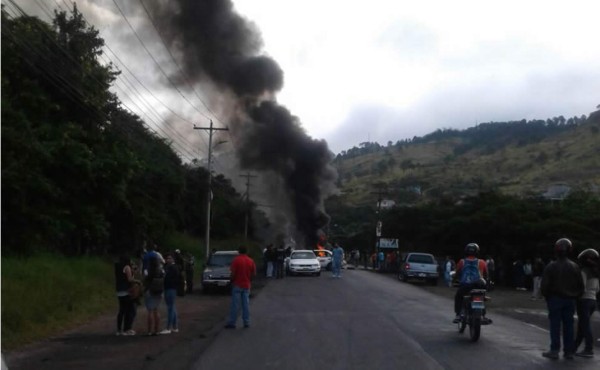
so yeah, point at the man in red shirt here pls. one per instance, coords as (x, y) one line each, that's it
(243, 269)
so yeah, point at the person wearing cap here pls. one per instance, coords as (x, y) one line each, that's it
(562, 284)
(589, 260)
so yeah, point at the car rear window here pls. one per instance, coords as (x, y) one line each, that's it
(221, 260)
(420, 258)
(303, 255)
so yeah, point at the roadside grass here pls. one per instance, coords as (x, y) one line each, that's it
(48, 293)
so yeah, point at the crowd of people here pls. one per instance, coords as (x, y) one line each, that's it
(567, 287)
(162, 278)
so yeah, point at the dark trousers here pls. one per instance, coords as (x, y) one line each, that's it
(560, 313)
(585, 310)
(126, 313)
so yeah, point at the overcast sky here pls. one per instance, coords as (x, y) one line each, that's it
(382, 70)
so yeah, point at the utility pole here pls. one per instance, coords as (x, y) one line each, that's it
(209, 190)
(247, 176)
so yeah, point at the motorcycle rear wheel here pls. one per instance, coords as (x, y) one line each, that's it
(475, 328)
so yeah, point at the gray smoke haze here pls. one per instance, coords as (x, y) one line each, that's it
(216, 44)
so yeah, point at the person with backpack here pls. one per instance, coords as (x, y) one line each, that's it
(154, 280)
(471, 273)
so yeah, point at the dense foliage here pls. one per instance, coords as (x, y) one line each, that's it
(80, 174)
(504, 226)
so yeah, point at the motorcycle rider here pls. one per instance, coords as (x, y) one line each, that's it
(471, 273)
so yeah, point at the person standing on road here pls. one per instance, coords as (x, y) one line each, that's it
(243, 269)
(589, 260)
(337, 258)
(173, 279)
(491, 267)
(536, 271)
(562, 284)
(154, 285)
(448, 268)
(127, 309)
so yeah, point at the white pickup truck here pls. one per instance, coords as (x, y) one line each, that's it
(419, 266)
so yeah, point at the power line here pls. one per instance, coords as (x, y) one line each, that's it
(186, 78)
(72, 92)
(156, 62)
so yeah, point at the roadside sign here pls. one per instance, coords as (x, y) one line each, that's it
(385, 243)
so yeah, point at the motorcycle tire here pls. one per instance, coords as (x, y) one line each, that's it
(475, 328)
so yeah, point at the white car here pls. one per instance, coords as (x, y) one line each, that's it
(303, 262)
(325, 257)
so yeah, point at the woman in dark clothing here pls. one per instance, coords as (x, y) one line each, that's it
(127, 309)
(173, 280)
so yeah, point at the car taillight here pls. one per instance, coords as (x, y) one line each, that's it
(477, 299)
(407, 266)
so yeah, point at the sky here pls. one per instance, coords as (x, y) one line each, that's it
(382, 70)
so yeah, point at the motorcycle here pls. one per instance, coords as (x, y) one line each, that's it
(473, 313)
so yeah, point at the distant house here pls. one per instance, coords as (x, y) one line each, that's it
(557, 192)
(387, 204)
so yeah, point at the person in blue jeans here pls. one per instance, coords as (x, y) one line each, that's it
(336, 263)
(243, 270)
(562, 284)
(173, 279)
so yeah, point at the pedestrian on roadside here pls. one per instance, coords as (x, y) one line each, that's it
(271, 258)
(336, 261)
(589, 260)
(528, 272)
(491, 267)
(127, 309)
(154, 285)
(173, 279)
(536, 271)
(519, 275)
(380, 260)
(243, 269)
(449, 266)
(279, 262)
(189, 272)
(562, 284)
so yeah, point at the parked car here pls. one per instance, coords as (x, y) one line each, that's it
(419, 266)
(324, 256)
(216, 273)
(303, 262)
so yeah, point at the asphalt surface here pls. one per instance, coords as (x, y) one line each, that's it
(371, 321)
(364, 320)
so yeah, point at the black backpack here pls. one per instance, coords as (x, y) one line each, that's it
(156, 275)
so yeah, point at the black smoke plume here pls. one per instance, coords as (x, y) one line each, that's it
(217, 44)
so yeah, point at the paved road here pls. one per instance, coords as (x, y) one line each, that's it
(369, 321)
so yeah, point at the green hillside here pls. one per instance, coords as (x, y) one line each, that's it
(516, 158)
